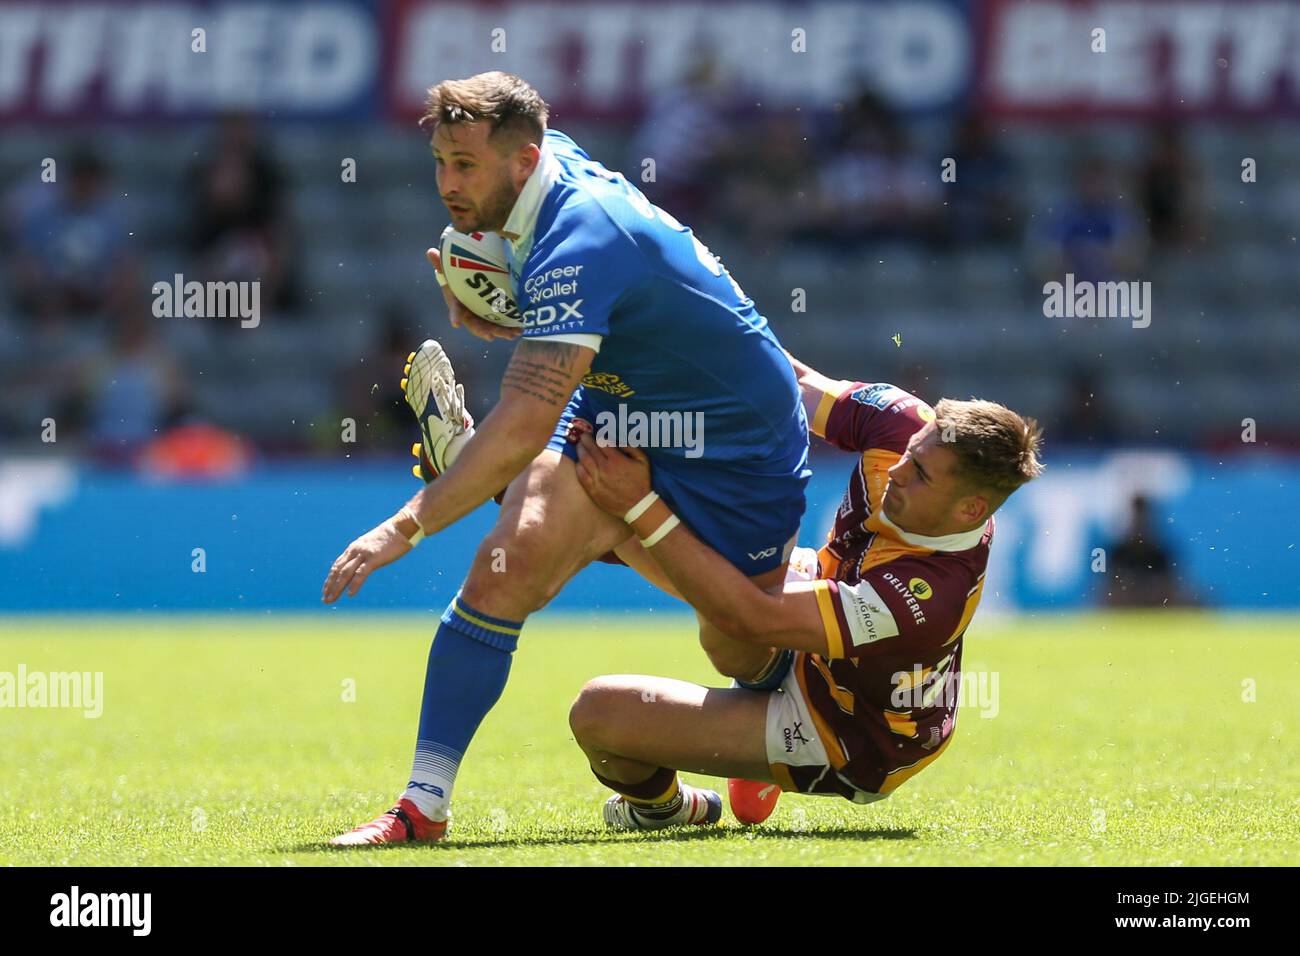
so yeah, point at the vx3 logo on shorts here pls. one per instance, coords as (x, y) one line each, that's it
(793, 734)
(760, 555)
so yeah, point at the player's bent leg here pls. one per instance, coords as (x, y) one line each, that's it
(548, 530)
(635, 556)
(638, 732)
(741, 660)
(632, 722)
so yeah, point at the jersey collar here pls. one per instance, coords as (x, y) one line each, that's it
(961, 541)
(518, 230)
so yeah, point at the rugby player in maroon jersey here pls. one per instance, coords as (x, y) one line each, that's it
(867, 631)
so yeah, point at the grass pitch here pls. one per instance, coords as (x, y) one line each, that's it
(1119, 739)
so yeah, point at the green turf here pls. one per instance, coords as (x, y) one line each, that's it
(1119, 740)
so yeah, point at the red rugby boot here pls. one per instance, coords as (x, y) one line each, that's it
(402, 824)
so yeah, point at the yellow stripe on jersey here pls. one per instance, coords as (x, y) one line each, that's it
(823, 413)
(828, 562)
(972, 603)
(883, 550)
(834, 752)
(900, 724)
(875, 465)
(826, 605)
(842, 696)
(900, 776)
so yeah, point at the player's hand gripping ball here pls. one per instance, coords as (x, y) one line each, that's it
(478, 274)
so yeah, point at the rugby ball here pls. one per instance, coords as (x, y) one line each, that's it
(475, 267)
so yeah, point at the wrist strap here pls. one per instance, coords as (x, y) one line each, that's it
(672, 521)
(416, 538)
(641, 507)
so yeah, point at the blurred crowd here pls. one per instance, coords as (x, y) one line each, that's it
(854, 177)
(839, 183)
(94, 360)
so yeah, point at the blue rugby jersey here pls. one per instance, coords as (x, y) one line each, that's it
(593, 262)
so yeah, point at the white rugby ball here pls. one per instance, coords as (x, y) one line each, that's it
(475, 267)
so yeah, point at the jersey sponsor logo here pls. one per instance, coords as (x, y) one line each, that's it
(537, 288)
(878, 396)
(913, 605)
(608, 382)
(546, 314)
(868, 617)
(551, 291)
(921, 588)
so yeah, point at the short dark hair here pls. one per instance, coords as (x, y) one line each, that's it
(997, 450)
(504, 100)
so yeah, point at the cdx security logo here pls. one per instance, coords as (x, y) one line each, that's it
(546, 314)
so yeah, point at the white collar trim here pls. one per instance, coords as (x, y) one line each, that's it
(523, 217)
(961, 541)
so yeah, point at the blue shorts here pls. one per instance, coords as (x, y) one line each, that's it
(752, 521)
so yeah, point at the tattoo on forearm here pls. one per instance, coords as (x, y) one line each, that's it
(542, 370)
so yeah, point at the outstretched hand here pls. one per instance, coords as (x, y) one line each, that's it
(614, 478)
(379, 546)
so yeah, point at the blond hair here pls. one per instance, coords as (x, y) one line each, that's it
(504, 100)
(997, 450)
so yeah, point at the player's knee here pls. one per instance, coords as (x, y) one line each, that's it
(511, 566)
(731, 663)
(593, 713)
(729, 657)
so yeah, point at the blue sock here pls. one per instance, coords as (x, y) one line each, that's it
(468, 666)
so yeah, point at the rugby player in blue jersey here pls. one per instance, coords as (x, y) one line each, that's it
(627, 316)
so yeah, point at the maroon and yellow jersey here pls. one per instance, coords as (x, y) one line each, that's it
(894, 605)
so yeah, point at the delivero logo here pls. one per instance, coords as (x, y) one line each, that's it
(920, 588)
